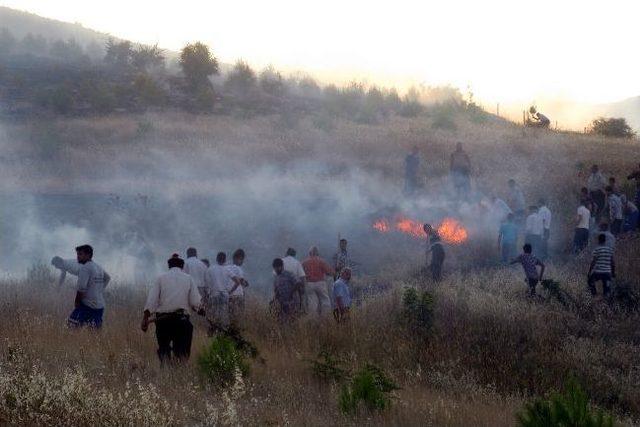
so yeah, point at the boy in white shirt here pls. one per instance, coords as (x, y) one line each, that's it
(534, 230)
(218, 294)
(293, 266)
(545, 214)
(235, 286)
(196, 269)
(581, 235)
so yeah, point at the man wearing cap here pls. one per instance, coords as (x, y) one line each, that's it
(171, 298)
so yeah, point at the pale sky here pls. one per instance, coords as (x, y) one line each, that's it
(507, 50)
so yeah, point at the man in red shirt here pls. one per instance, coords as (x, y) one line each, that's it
(316, 271)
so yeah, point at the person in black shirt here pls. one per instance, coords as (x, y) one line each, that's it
(436, 249)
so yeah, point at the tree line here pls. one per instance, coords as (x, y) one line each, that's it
(63, 77)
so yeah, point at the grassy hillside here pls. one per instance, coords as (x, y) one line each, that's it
(488, 349)
(20, 24)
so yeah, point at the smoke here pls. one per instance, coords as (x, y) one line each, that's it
(136, 200)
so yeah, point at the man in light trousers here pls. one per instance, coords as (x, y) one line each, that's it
(316, 271)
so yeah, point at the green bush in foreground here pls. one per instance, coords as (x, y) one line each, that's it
(567, 409)
(417, 312)
(371, 386)
(328, 367)
(220, 360)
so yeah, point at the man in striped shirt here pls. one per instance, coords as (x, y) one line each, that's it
(602, 266)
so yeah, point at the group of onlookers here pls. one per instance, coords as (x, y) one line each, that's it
(603, 207)
(534, 225)
(218, 290)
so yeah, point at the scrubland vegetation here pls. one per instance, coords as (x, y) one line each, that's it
(125, 119)
(472, 350)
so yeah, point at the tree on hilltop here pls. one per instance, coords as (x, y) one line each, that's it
(198, 63)
(616, 127)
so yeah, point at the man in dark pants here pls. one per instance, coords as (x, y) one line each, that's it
(581, 234)
(411, 167)
(616, 214)
(285, 286)
(460, 171)
(635, 175)
(437, 252)
(602, 267)
(171, 298)
(596, 184)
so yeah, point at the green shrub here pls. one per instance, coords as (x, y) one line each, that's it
(417, 312)
(371, 386)
(612, 127)
(328, 367)
(61, 100)
(220, 360)
(570, 408)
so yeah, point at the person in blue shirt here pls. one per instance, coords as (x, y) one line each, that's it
(508, 239)
(342, 296)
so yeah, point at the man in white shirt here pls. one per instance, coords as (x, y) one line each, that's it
(616, 215)
(534, 230)
(215, 280)
(293, 266)
(545, 214)
(89, 302)
(196, 269)
(581, 236)
(236, 283)
(171, 298)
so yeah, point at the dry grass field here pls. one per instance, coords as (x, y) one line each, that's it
(490, 348)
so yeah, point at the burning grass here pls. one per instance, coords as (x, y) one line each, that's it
(450, 230)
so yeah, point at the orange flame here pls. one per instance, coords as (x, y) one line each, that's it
(382, 225)
(450, 230)
(409, 226)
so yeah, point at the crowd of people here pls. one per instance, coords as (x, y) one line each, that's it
(314, 286)
(604, 213)
(217, 292)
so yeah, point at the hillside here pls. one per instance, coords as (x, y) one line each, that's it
(21, 24)
(165, 181)
(628, 108)
(142, 161)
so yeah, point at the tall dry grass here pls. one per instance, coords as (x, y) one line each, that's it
(490, 348)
